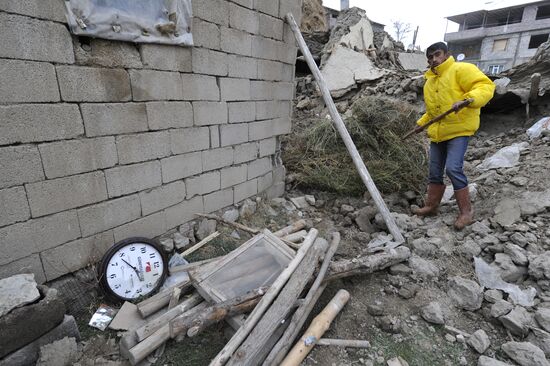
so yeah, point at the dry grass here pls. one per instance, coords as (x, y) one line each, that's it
(318, 156)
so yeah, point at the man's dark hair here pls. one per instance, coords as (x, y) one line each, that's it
(437, 46)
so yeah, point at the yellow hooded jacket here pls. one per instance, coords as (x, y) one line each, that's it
(452, 82)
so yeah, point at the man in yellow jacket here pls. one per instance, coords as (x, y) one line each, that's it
(464, 88)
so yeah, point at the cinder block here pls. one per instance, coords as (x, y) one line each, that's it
(279, 173)
(218, 200)
(19, 165)
(91, 84)
(288, 35)
(39, 122)
(270, 70)
(266, 48)
(246, 3)
(15, 207)
(283, 91)
(234, 134)
(202, 184)
(21, 240)
(233, 175)
(271, 27)
(32, 39)
(245, 152)
(268, 147)
(30, 264)
(241, 112)
(75, 255)
(160, 198)
(114, 118)
(64, 158)
(270, 7)
(183, 212)
(288, 73)
(200, 87)
(262, 90)
(165, 115)
(107, 53)
(206, 34)
(181, 166)
(156, 85)
(269, 128)
(245, 190)
(133, 178)
(291, 6)
(214, 137)
(27, 82)
(276, 190)
(215, 11)
(272, 109)
(62, 194)
(217, 158)
(243, 19)
(189, 139)
(259, 167)
(265, 181)
(236, 41)
(287, 53)
(107, 215)
(243, 67)
(143, 147)
(210, 113)
(147, 227)
(42, 9)
(234, 89)
(166, 57)
(209, 62)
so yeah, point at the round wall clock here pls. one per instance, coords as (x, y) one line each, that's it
(133, 268)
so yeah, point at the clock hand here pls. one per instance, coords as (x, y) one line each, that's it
(134, 268)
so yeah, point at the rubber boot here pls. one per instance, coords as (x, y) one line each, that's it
(435, 194)
(466, 213)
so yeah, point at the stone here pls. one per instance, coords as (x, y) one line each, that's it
(488, 361)
(432, 313)
(408, 290)
(63, 352)
(519, 239)
(300, 202)
(541, 339)
(500, 308)
(17, 291)
(310, 199)
(248, 208)
(539, 266)
(180, 241)
(509, 272)
(525, 354)
(469, 249)
(517, 254)
(517, 321)
(423, 247)
(479, 340)
(542, 316)
(167, 244)
(492, 296)
(467, 294)
(375, 310)
(400, 269)
(231, 215)
(481, 229)
(507, 212)
(205, 228)
(532, 203)
(422, 267)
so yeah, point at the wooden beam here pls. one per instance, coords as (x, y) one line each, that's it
(351, 343)
(160, 300)
(298, 225)
(295, 237)
(200, 244)
(230, 223)
(190, 266)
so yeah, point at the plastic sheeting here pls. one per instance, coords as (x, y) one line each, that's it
(141, 21)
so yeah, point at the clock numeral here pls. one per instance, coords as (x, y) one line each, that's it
(118, 286)
(132, 249)
(155, 274)
(152, 255)
(127, 291)
(143, 249)
(149, 285)
(156, 265)
(114, 264)
(139, 291)
(122, 254)
(113, 275)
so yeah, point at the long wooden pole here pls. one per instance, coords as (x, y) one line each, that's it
(344, 134)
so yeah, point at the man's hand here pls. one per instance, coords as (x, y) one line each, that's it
(461, 104)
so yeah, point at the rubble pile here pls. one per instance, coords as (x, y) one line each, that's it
(314, 17)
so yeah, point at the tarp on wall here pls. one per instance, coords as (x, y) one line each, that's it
(143, 21)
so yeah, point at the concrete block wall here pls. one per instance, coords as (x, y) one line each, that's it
(102, 140)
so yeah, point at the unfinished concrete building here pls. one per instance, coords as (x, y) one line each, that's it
(497, 40)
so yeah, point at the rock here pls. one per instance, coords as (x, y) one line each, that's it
(235, 234)
(532, 203)
(248, 207)
(517, 321)
(467, 294)
(481, 229)
(400, 269)
(525, 354)
(63, 352)
(509, 272)
(167, 244)
(347, 209)
(469, 249)
(423, 247)
(422, 267)
(492, 296)
(519, 181)
(500, 308)
(231, 215)
(519, 239)
(397, 361)
(488, 361)
(180, 241)
(205, 228)
(408, 291)
(450, 338)
(479, 341)
(542, 316)
(541, 339)
(517, 254)
(310, 199)
(432, 313)
(364, 217)
(300, 202)
(389, 324)
(375, 310)
(17, 291)
(539, 266)
(507, 212)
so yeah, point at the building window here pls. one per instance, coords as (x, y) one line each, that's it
(500, 45)
(495, 69)
(543, 12)
(537, 39)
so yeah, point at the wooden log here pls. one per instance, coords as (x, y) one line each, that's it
(200, 244)
(318, 327)
(248, 352)
(298, 225)
(160, 300)
(344, 134)
(279, 351)
(352, 343)
(157, 323)
(193, 265)
(175, 298)
(367, 264)
(223, 356)
(295, 237)
(230, 223)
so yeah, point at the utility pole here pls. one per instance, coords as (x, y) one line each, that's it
(414, 37)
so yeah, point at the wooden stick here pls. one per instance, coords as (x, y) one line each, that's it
(353, 343)
(295, 237)
(200, 244)
(298, 225)
(191, 266)
(341, 127)
(224, 355)
(234, 224)
(318, 327)
(175, 298)
(160, 300)
(282, 347)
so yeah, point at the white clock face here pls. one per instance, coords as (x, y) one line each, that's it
(134, 270)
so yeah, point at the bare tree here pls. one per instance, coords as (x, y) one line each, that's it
(401, 29)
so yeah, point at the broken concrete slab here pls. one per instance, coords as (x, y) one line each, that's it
(360, 36)
(507, 212)
(479, 340)
(525, 353)
(63, 352)
(413, 61)
(518, 321)
(127, 317)
(532, 203)
(16, 291)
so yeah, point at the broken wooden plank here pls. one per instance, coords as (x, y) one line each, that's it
(298, 225)
(160, 300)
(225, 354)
(201, 243)
(344, 134)
(295, 237)
(190, 266)
(318, 327)
(351, 343)
(230, 223)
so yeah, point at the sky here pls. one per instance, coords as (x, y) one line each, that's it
(428, 15)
